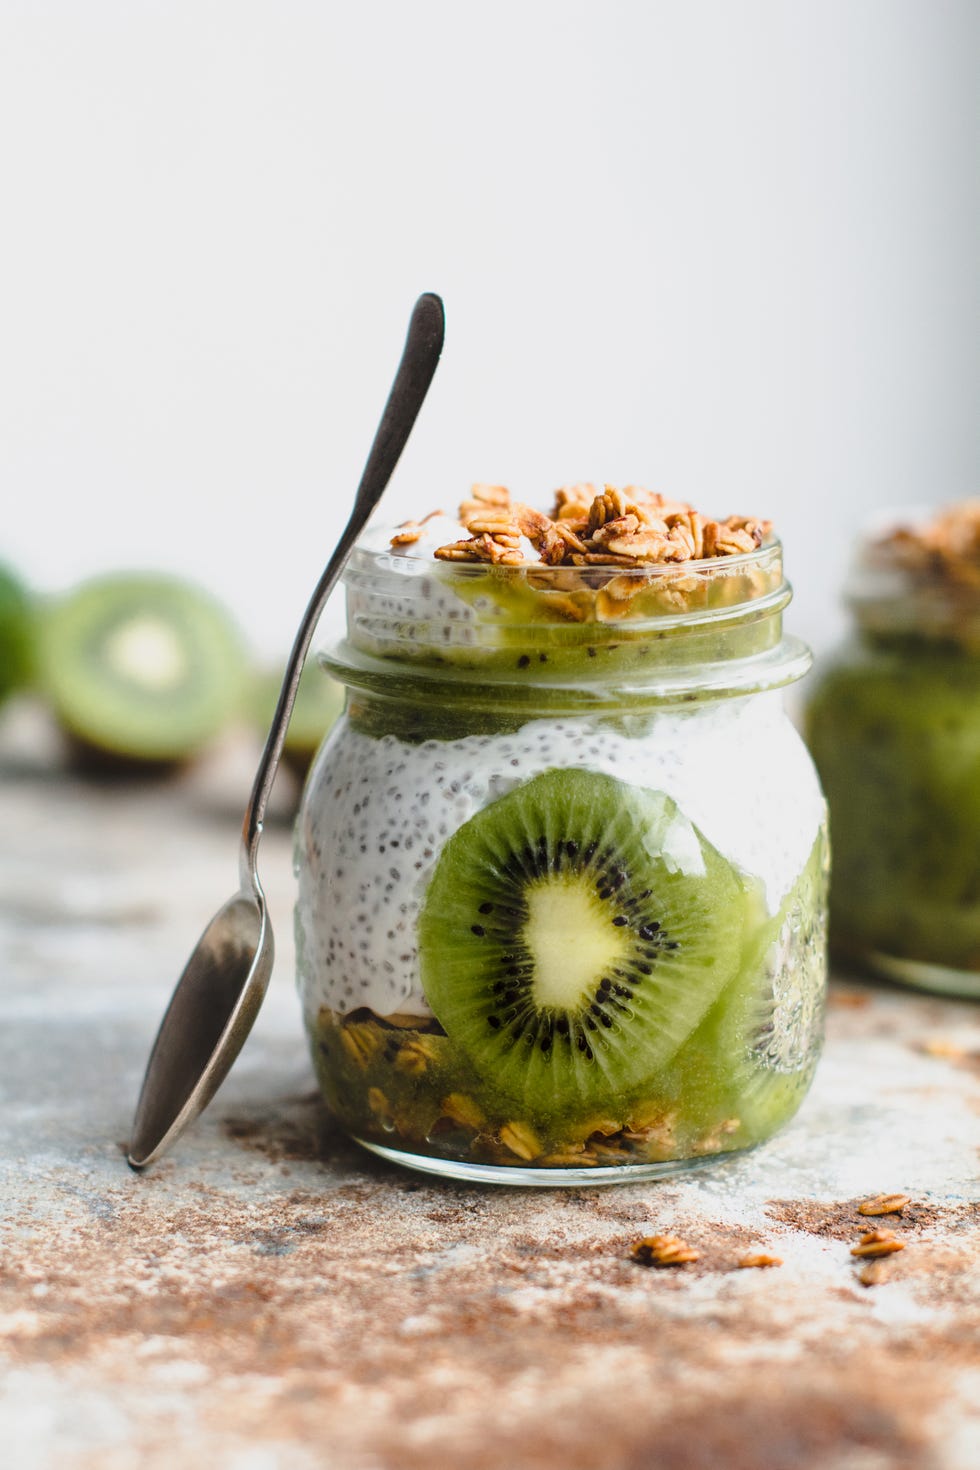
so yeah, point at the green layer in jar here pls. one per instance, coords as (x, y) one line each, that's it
(896, 740)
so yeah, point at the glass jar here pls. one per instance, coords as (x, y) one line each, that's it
(562, 869)
(893, 723)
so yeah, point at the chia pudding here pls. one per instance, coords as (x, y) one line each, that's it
(562, 863)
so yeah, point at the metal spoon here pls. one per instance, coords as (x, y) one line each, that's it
(224, 982)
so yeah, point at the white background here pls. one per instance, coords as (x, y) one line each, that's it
(726, 248)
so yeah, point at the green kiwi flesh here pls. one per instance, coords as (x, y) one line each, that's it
(141, 666)
(752, 1058)
(573, 935)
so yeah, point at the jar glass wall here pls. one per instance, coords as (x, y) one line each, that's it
(893, 723)
(562, 869)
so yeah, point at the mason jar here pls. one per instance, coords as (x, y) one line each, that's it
(893, 723)
(562, 869)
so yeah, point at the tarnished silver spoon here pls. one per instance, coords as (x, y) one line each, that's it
(224, 982)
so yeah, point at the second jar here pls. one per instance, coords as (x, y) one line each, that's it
(562, 868)
(893, 721)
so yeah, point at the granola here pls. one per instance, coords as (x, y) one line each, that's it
(411, 531)
(625, 528)
(884, 1204)
(877, 1243)
(407, 1086)
(663, 1250)
(945, 549)
(873, 1273)
(521, 1139)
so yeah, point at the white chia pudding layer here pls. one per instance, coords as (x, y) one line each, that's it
(404, 599)
(378, 811)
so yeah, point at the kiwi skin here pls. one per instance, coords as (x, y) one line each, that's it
(318, 705)
(97, 764)
(18, 616)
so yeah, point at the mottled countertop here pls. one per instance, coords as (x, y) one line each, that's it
(269, 1297)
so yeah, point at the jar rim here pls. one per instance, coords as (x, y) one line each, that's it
(595, 633)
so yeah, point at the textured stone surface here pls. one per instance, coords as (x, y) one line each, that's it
(271, 1298)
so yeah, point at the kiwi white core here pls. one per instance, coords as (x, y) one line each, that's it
(571, 941)
(147, 651)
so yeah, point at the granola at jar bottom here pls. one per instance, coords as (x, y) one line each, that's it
(562, 864)
(894, 727)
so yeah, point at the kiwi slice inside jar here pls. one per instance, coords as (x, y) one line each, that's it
(751, 1060)
(574, 933)
(141, 668)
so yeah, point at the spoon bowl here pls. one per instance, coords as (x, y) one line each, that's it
(225, 980)
(216, 1000)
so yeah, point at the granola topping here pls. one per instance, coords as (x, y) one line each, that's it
(411, 531)
(587, 526)
(943, 550)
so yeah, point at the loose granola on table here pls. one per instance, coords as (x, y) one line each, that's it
(663, 1250)
(884, 1204)
(877, 1243)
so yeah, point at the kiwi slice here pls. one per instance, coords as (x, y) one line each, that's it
(573, 934)
(143, 667)
(16, 633)
(753, 1056)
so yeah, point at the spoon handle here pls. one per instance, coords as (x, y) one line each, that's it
(423, 346)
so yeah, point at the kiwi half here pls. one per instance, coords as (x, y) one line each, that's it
(318, 705)
(143, 667)
(573, 934)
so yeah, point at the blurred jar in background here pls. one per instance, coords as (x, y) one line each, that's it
(893, 724)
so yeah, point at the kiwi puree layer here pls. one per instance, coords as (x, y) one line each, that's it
(741, 1072)
(895, 734)
(546, 628)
